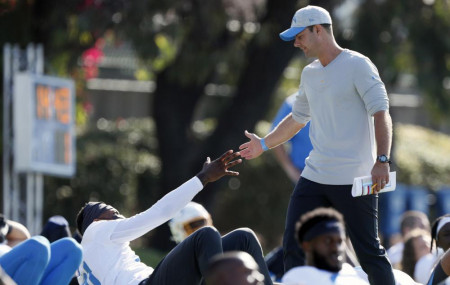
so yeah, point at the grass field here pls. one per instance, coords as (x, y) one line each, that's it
(149, 256)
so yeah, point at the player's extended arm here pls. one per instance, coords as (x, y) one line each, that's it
(285, 130)
(166, 208)
(383, 137)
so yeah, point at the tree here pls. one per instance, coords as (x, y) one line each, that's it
(409, 37)
(205, 51)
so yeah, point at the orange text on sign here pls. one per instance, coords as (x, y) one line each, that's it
(62, 105)
(43, 109)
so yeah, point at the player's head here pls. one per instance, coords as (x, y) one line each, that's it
(321, 235)
(94, 211)
(440, 232)
(233, 268)
(304, 18)
(412, 220)
(192, 217)
(57, 227)
(310, 29)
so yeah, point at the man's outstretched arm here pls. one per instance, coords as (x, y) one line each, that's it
(285, 130)
(166, 208)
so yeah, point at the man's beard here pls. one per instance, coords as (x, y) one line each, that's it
(321, 262)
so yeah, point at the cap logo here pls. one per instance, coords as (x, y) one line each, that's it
(311, 20)
(294, 20)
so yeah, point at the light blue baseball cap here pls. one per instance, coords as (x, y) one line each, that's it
(303, 18)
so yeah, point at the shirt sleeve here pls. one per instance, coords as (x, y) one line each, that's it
(370, 87)
(300, 110)
(162, 211)
(437, 275)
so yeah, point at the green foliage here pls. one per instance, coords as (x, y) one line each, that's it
(111, 157)
(257, 198)
(150, 256)
(422, 156)
(408, 37)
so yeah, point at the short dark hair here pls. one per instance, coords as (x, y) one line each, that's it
(310, 219)
(327, 27)
(220, 264)
(434, 232)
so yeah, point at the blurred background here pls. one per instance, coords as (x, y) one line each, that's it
(161, 85)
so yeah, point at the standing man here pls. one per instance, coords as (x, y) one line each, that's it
(351, 133)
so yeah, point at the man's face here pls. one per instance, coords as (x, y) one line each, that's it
(328, 251)
(443, 238)
(307, 40)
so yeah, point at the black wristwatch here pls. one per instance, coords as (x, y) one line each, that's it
(383, 159)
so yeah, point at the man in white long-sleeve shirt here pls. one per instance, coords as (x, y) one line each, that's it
(108, 258)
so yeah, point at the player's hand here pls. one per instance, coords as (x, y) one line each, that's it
(380, 175)
(253, 148)
(216, 169)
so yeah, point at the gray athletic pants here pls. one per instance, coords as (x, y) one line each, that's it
(188, 261)
(361, 219)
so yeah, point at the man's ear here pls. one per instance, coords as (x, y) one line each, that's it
(306, 245)
(319, 28)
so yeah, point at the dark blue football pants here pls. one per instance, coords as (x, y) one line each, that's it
(188, 261)
(361, 219)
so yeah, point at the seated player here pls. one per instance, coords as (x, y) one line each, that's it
(321, 234)
(108, 258)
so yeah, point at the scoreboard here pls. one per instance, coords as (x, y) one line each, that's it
(44, 124)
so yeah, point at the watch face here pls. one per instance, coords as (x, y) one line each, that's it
(382, 158)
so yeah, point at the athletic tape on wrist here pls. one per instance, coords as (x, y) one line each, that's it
(263, 145)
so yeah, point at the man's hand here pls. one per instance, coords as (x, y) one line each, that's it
(253, 148)
(380, 175)
(218, 168)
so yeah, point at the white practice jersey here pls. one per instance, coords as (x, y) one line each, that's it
(107, 256)
(309, 275)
